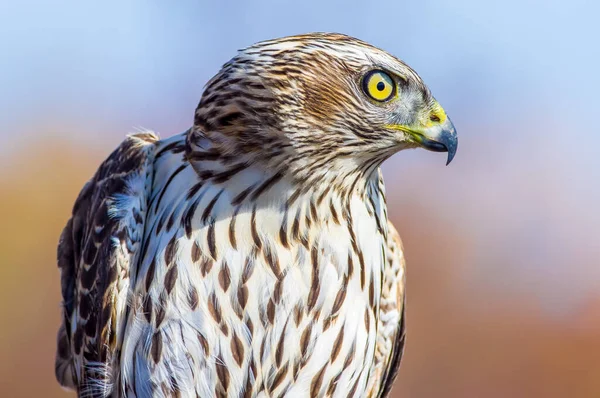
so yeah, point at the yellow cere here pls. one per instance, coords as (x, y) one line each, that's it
(437, 115)
(379, 86)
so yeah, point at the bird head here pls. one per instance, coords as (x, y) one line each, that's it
(320, 101)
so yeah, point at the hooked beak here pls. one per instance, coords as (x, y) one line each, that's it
(438, 137)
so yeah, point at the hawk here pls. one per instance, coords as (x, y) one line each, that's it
(251, 256)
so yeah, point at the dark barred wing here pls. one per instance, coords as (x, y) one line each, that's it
(98, 249)
(393, 365)
(392, 330)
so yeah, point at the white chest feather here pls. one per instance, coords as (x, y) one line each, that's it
(254, 296)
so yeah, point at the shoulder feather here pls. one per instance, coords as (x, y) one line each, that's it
(98, 250)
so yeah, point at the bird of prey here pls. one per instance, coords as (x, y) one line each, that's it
(251, 256)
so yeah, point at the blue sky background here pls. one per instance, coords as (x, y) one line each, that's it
(487, 61)
(519, 78)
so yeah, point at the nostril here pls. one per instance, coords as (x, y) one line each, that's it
(434, 118)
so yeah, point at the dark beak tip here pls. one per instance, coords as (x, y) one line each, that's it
(451, 153)
(446, 142)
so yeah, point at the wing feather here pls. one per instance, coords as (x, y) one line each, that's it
(391, 329)
(97, 252)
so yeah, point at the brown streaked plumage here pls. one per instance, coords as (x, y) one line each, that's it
(251, 255)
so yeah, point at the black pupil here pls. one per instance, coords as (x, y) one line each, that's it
(381, 86)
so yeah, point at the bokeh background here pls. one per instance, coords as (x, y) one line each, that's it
(503, 245)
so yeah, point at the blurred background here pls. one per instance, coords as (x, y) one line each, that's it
(503, 246)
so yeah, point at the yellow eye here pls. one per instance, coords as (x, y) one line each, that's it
(379, 85)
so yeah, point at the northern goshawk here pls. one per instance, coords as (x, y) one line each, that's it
(251, 256)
